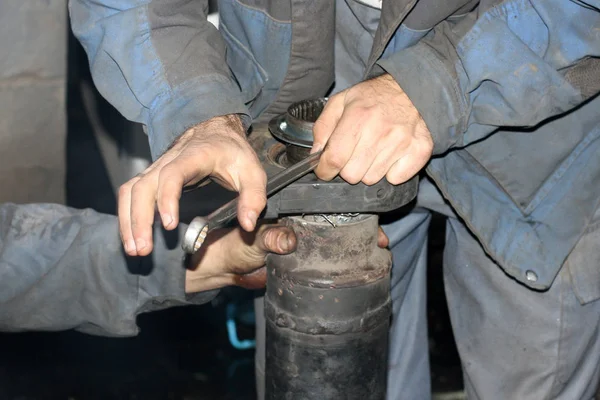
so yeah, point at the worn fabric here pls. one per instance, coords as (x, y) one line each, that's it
(472, 69)
(515, 343)
(521, 343)
(508, 90)
(62, 268)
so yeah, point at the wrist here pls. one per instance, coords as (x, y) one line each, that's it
(207, 269)
(189, 104)
(195, 282)
(229, 123)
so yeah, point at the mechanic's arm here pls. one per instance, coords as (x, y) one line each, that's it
(62, 268)
(515, 64)
(161, 63)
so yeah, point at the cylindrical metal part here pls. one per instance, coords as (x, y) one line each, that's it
(328, 310)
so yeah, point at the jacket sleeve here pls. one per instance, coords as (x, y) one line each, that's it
(158, 62)
(62, 268)
(515, 64)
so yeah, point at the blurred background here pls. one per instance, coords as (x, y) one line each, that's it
(61, 142)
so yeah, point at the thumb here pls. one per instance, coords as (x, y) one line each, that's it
(277, 239)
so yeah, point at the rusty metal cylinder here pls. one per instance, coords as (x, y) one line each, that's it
(328, 311)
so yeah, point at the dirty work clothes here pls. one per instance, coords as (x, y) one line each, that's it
(62, 268)
(511, 339)
(514, 342)
(508, 90)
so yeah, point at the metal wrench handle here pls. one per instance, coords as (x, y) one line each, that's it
(200, 226)
(293, 173)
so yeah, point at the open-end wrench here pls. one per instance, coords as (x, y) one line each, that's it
(200, 226)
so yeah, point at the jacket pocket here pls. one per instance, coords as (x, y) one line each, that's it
(528, 164)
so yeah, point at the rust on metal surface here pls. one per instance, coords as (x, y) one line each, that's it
(324, 250)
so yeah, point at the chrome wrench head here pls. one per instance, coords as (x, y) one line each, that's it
(195, 235)
(200, 226)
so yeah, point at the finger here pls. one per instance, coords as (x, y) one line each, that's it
(276, 239)
(365, 153)
(124, 214)
(327, 121)
(382, 240)
(404, 169)
(172, 178)
(143, 198)
(384, 160)
(340, 145)
(253, 195)
(414, 159)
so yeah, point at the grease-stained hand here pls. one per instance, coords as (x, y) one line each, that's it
(371, 131)
(233, 257)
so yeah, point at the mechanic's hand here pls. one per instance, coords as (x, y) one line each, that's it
(215, 148)
(234, 257)
(371, 131)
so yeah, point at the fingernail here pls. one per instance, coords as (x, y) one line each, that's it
(129, 246)
(316, 148)
(140, 244)
(283, 242)
(167, 220)
(251, 217)
(289, 242)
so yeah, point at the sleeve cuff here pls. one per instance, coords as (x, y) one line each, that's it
(163, 286)
(433, 91)
(190, 104)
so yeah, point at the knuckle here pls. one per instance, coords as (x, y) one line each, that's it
(260, 198)
(336, 97)
(166, 173)
(394, 178)
(124, 190)
(255, 179)
(369, 153)
(372, 179)
(138, 190)
(255, 194)
(362, 112)
(427, 147)
(352, 177)
(403, 140)
(260, 175)
(335, 161)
